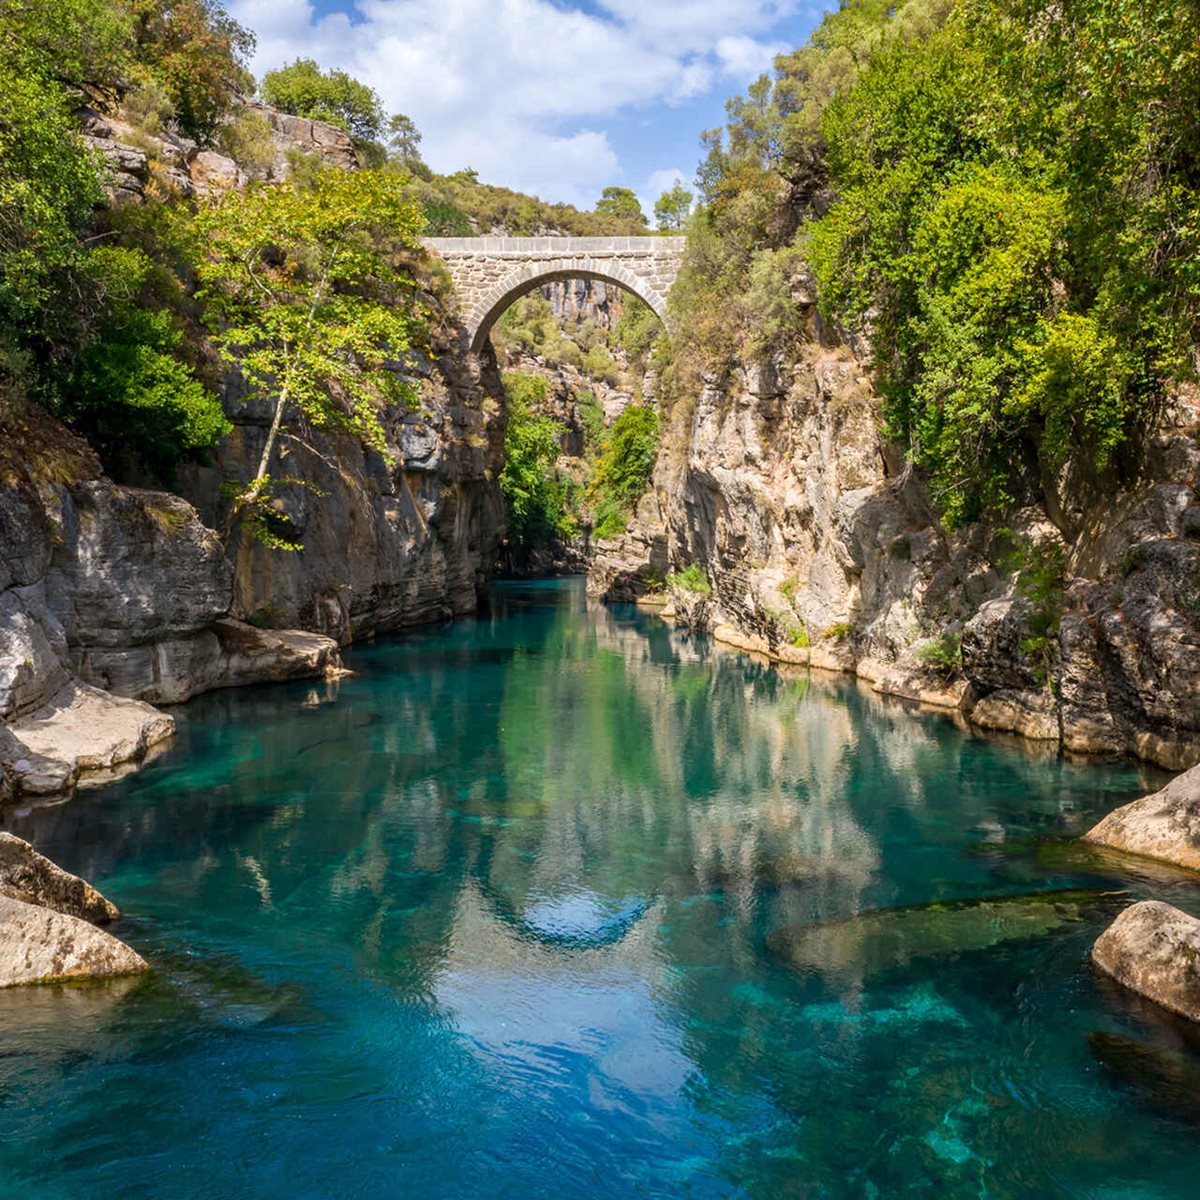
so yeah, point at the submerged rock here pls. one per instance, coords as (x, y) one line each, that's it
(1164, 825)
(39, 945)
(1166, 1080)
(32, 878)
(1153, 949)
(889, 937)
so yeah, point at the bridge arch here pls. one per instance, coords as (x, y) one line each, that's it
(491, 273)
(521, 282)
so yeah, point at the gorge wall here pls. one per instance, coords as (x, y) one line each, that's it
(820, 548)
(114, 599)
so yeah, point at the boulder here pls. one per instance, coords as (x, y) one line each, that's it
(32, 878)
(81, 729)
(39, 945)
(1164, 825)
(1154, 949)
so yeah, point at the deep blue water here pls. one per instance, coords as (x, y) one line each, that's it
(500, 916)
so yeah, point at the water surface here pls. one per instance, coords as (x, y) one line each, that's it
(524, 909)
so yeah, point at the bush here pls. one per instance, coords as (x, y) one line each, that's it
(249, 141)
(131, 392)
(942, 654)
(303, 89)
(541, 504)
(692, 578)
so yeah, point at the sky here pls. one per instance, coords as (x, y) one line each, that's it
(560, 98)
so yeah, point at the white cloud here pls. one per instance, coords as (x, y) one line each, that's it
(519, 89)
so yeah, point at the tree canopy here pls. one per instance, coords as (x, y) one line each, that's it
(1002, 199)
(303, 89)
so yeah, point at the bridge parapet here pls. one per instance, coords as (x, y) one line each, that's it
(489, 273)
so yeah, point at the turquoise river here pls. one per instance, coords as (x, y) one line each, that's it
(564, 903)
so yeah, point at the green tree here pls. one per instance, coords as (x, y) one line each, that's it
(305, 293)
(404, 138)
(130, 391)
(537, 500)
(197, 52)
(303, 89)
(672, 208)
(621, 202)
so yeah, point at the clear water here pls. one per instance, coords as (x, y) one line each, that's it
(498, 917)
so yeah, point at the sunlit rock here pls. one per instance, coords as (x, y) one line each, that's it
(1154, 949)
(1164, 825)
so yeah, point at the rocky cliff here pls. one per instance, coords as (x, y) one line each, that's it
(110, 597)
(819, 547)
(386, 544)
(114, 599)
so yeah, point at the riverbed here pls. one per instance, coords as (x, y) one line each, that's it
(563, 902)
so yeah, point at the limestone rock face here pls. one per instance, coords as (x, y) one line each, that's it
(40, 945)
(1154, 949)
(30, 877)
(776, 482)
(83, 729)
(385, 545)
(1164, 825)
(112, 586)
(133, 567)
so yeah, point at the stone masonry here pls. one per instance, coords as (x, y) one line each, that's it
(489, 273)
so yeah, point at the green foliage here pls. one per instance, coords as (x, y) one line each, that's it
(1041, 579)
(48, 187)
(487, 208)
(249, 141)
(303, 89)
(530, 324)
(942, 654)
(627, 460)
(129, 391)
(306, 293)
(591, 418)
(672, 208)
(1002, 199)
(622, 203)
(691, 578)
(1020, 218)
(636, 330)
(539, 502)
(196, 53)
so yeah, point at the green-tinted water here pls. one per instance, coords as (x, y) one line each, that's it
(528, 908)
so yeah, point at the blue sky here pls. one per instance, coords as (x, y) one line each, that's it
(557, 97)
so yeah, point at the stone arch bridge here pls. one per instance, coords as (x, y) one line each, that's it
(489, 273)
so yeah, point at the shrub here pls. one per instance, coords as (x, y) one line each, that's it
(249, 141)
(303, 89)
(691, 578)
(942, 654)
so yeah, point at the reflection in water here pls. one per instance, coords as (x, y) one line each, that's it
(564, 902)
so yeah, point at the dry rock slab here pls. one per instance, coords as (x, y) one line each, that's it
(32, 878)
(83, 729)
(1164, 825)
(1153, 949)
(39, 945)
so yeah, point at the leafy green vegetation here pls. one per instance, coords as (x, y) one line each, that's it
(1004, 198)
(91, 323)
(303, 89)
(540, 502)
(131, 389)
(691, 578)
(306, 291)
(623, 468)
(942, 654)
(672, 208)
